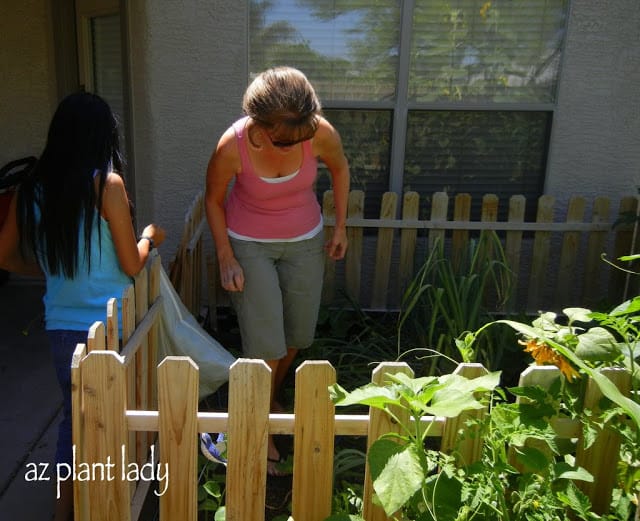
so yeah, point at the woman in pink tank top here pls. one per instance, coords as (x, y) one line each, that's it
(268, 231)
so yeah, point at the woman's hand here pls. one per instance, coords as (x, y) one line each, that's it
(231, 274)
(337, 246)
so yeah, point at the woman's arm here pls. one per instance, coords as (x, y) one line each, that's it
(327, 145)
(223, 166)
(132, 253)
(11, 258)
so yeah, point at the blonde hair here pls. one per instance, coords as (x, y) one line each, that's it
(283, 101)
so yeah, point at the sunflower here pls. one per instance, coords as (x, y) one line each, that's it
(545, 355)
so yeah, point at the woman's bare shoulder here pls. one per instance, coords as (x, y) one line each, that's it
(226, 157)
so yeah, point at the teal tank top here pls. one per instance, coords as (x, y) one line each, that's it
(75, 304)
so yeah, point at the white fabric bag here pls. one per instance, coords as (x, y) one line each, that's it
(181, 335)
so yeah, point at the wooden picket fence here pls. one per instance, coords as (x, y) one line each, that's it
(108, 423)
(134, 418)
(556, 261)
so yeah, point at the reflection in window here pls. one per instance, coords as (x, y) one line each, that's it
(365, 134)
(493, 152)
(349, 51)
(486, 51)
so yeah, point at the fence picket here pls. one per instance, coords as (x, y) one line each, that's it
(353, 261)
(80, 488)
(248, 429)
(541, 250)
(178, 425)
(314, 436)
(566, 275)
(489, 211)
(593, 285)
(439, 212)
(96, 337)
(113, 325)
(383, 252)
(597, 458)
(105, 433)
(513, 244)
(408, 239)
(379, 424)
(542, 376)
(460, 238)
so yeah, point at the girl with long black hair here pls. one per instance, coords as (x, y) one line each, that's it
(70, 220)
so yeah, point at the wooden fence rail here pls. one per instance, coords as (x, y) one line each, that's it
(556, 260)
(107, 423)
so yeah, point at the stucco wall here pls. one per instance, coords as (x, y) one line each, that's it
(27, 89)
(595, 147)
(188, 74)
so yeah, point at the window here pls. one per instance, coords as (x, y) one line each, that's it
(428, 95)
(107, 60)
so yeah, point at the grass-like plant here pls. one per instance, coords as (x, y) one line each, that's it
(447, 297)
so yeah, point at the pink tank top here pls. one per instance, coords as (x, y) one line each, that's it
(258, 209)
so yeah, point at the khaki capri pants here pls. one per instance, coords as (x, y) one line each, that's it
(278, 308)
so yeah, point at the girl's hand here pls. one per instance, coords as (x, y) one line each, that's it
(155, 233)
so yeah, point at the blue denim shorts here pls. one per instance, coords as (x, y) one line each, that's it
(278, 308)
(63, 343)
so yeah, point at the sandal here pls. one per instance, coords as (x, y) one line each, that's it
(215, 452)
(280, 467)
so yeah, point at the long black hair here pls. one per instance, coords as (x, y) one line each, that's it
(82, 143)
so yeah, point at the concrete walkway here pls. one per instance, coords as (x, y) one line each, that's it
(30, 403)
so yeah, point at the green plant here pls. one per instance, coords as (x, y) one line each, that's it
(449, 296)
(512, 479)
(587, 341)
(402, 469)
(211, 487)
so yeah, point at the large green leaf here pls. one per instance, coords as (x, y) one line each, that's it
(532, 458)
(445, 492)
(371, 395)
(565, 471)
(486, 382)
(578, 314)
(452, 403)
(597, 345)
(399, 478)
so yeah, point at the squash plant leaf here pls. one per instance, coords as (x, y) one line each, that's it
(597, 344)
(396, 473)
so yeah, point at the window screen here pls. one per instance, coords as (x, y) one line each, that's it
(499, 51)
